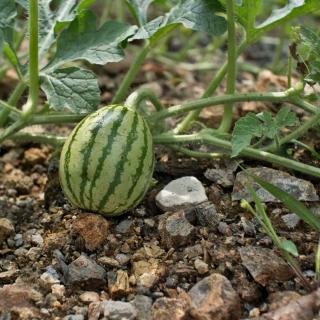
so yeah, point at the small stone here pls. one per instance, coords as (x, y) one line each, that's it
(201, 266)
(21, 299)
(33, 253)
(207, 215)
(255, 312)
(50, 277)
(169, 308)
(74, 317)
(37, 239)
(121, 286)
(19, 181)
(143, 306)
(93, 229)
(34, 156)
(108, 261)
(291, 220)
(300, 189)
(214, 298)
(223, 177)
(89, 296)
(109, 309)
(264, 265)
(18, 240)
(55, 240)
(20, 252)
(124, 226)
(58, 290)
(147, 280)
(181, 193)
(85, 273)
(175, 229)
(123, 258)
(223, 228)
(193, 251)
(6, 229)
(8, 276)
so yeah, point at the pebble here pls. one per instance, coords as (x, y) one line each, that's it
(143, 306)
(8, 276)
(37, 239)
(175, 229)
(169, 308)
(264, 265)
(123, 258)
(58, 290)
(201, 266)
(223, 177)
(124, 226)
(110, 309)
(193, 251)
(108, 261)
(86, 273)
(6, 229)
(93, 229)
(180, 193)
(74, 317)
(33, 253)
(89, 296)
(207, 215)
(300, 189)
(50, 277)
(291, 220)
(214, 298)
(18, 240)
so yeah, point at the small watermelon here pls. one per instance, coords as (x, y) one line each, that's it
(107, 162)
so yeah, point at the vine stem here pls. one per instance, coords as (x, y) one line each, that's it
(231, 68)
(286, 96)
(186, 123)
(32, 102)
(38, 138)
(246, 152)
(131, 74)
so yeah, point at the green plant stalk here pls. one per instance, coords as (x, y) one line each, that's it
(6, 105)
(13, 100)
(140, 95)
(136, 64)
(186, 123)
(16, 126)
(317, 262)
(198, 154)
(246, 152)
(232, 71)
(300, 131)
(32, 102)
(56, 118)
(22, 137)
(286, 96)
(289, 71)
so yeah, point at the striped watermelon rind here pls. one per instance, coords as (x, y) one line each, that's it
(106, 164)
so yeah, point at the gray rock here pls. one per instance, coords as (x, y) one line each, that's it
(207, 215)
(143, 306)
(180, 193)
(124, 226)
(6, 229)
(175, 229)
(85, 273)
(122, 258)
(50, 277)
(74, 317)
(214, 298)
(37, 239)
(264, 265)
(298, 188)
(222, 177)
(112, 310)
(291, 220)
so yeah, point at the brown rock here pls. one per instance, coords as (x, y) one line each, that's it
(169, 308)
(93, 229)
(19, 181)
(6, 229)
(121, 287)
(8, 276)
(55, 240)
(175, 229)
(214, 298)
(34, 156)
(282, 298)
(264, 265)
(89, 296)
(19, 300)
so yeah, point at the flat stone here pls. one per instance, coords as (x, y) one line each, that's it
(143, 306)
(124, 226)
(291, 220)
(214, 298)
(86, 273)
(89, 296)
(264, 265)
(300, 189)
(169, 308)
(6, 229)
(107, 261)
(207, 215)
(223, 177)
(180, 193)
(20, 300)
(93, 229)
(175, 229)
(110, 309)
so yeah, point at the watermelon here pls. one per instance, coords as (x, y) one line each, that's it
(106, 164)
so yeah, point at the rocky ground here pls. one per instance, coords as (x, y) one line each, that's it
(188, 252)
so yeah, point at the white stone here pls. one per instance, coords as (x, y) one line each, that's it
(181, 193)
(201, 266)
(89, 296)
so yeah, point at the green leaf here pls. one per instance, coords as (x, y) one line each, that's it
(289, 247)
(311, 39)
(290, 202)
(269, 128)
(81, 41)
(245, 129)
(198, 15)
(71, 88)
(7, 13)
(285, 118)
(139, 8)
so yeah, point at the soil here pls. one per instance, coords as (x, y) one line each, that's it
(59, 262)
